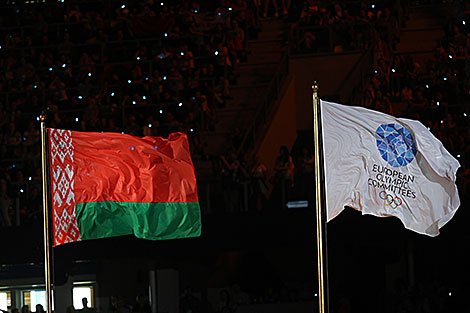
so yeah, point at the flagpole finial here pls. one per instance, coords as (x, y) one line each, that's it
(315, 86)
(42, 117)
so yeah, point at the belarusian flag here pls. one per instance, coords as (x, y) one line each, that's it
(110, 184)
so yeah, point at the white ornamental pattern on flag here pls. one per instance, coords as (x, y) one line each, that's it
(62, 177)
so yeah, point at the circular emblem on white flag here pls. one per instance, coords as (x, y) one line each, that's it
(395, 144)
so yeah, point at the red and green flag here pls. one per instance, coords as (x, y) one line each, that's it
(111, 184)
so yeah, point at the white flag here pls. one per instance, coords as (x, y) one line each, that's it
(387, 166)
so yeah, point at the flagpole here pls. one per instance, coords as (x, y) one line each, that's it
(320, 214)
(45, 207)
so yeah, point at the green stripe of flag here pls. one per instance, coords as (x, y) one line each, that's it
(155, 221)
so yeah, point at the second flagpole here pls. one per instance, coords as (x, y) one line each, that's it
(319, 204)
(45, 204)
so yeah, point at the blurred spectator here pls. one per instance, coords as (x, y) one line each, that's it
(283, 178)
(233, 174)
(259, 185)
(224, 304)
(5, 203)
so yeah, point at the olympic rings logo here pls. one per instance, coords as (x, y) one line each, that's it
(389, 200)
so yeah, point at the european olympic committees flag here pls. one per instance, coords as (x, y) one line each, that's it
(387, 166)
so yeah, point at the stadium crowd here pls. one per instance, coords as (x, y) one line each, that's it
(146, 68)
(155, 67)
(343, 26)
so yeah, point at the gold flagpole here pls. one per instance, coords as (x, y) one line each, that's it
(320, 219)
(45, 205)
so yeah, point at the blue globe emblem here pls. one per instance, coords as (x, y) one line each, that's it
(395, 144)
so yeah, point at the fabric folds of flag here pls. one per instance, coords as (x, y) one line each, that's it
(111, 184)
(387, 166)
